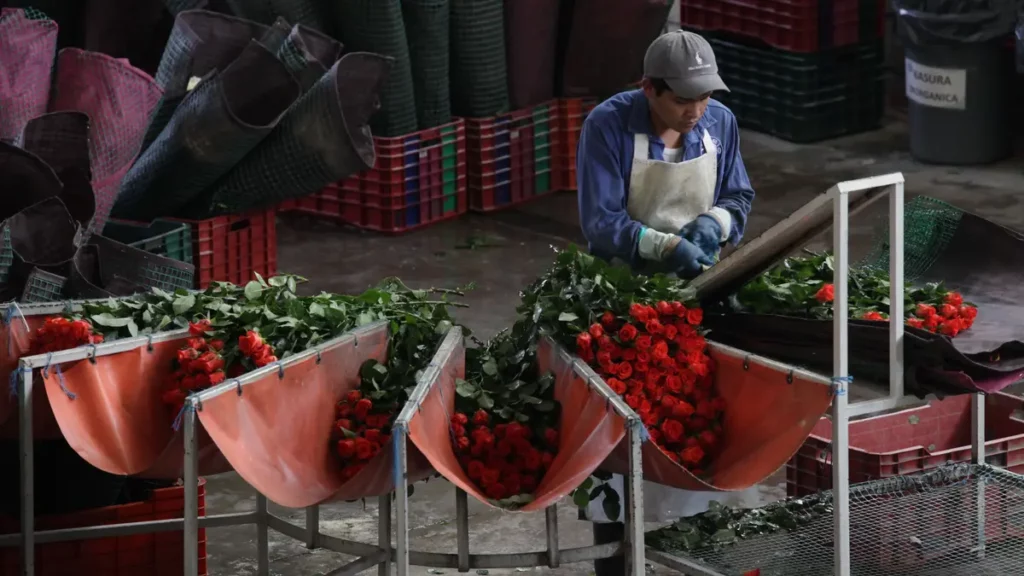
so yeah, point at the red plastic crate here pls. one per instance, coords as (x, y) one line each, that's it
(794, 25)
(234, 248)
(417, 180)
(511, 156)
(571, 114)
(911, 441)
(155, 554)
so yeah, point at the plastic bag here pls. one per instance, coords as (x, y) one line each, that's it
(924, 22)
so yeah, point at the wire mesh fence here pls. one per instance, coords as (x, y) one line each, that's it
(928, 226)
(929, 524)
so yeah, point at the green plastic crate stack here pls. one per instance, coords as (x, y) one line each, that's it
(542, 128)
(377, 26)
(426, 29)
(479, 79)
(168, 239)
(450, 168)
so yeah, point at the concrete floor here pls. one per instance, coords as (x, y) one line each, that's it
(511, 249)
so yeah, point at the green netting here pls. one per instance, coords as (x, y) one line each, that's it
(479, 82)
(928, 226)
(42, 286)
(377, 26)
(34, 14)
(426, 28)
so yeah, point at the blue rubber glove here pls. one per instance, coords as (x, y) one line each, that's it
(687, 260)
(706, 233)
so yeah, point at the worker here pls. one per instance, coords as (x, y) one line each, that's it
(660, 178)
(662, 187)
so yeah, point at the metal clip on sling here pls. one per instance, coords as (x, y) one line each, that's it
(839, 385)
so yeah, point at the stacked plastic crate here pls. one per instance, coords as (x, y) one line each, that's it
(801, 70)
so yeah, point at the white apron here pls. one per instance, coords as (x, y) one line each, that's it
(665, 196)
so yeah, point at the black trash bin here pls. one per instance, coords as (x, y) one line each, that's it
(959, 78)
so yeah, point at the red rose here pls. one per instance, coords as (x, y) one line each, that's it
(692, 455)
(632, 400)
(476, 470)
(678, 309)
(660, 351)
(670, 331)
(607, 318)
(954, 299)
(217, 377)
(605, 343)
(362, 408)
(669, 401)
(695, 316)
(924, 310)
(583, 342)
(873, 316)
(624, 370)
(617, 386)
(353, 396)
(826, 293)
(948, 310)
(604, 359)
(642, 357)
(672, 430)
(532, 460)
(968, 312)
(627, 333)
(596, 331)
(643, 343)
(250, 343)
(708, 440)
(682, 410)
(663, 308)
(459, 418)
(199, 328)
(551, 436)
(481, 418)
(653, 327)
(915, 322)
(674, 383)
(638, 312)
(932, 322)
(628, 354)
(950, 327)
(372, 435)
(462, 443)
(490, 476)
(346, 448)
(364, 449)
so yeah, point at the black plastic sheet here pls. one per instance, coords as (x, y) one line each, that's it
(323, 138)
(928, 22)
(214, 127)
(981, 260)
(61, 140)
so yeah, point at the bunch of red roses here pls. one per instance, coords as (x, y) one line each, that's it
(59, 333)
(948, 317)
(360, 433)
(505, 459)
(198, 365)
(255, 348)
(656, 359)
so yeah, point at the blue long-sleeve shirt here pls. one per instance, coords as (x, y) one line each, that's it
(604, 160)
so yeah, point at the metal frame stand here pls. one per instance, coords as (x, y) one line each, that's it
(383, 554)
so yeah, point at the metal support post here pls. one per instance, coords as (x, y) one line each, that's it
(312, 526)
(635, 561)
(262, 537)
(191, 480)
(384, 533)
(840, 371)
(25, 453)
(978, 458)
(399, 438)
(897, 302)
(462, 528)
(551, 522)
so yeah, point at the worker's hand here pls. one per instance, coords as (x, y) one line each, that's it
(706, 233)
(687, 260)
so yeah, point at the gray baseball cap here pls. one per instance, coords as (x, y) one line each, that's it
(685, 62)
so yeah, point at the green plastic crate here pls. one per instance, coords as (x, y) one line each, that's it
(168, 239)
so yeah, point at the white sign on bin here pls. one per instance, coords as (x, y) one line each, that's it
(936, 87)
